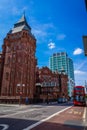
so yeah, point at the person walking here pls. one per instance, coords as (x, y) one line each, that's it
(27, 101)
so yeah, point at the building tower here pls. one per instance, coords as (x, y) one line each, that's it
(71, 82)
(1, 69)
(58, 61)
(19, 61)
(62, 63)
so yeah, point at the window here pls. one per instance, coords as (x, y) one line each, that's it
(19, 60)
(8, 49)
(8, 60)
(79, 98)
(23, 89)
(79, 89)
(7, 75)
(14, 58)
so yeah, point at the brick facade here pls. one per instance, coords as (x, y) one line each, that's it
(19, 76)
(19, 61)
(49, 84)
(1, 70)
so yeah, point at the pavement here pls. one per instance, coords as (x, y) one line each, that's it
(74, 118)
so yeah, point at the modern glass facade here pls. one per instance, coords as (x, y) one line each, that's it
(58, 62)
(62, 63)
(70, 69)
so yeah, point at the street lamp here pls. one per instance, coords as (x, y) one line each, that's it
(20, 92)
(60, 82)
(47, 90)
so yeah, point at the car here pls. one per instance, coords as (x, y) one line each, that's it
(62, 100)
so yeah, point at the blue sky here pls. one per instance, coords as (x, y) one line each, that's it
(58, 26)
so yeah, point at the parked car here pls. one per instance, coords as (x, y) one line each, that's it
(62, 100)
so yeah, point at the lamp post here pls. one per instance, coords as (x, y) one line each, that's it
(47, 84)
(48, 91)
(60, 82)
(20, 92)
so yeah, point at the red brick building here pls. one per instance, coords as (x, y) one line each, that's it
(51, 85)
(19, 77)
(1, 69)
(19, 62)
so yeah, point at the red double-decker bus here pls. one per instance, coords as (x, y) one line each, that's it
(79, 95)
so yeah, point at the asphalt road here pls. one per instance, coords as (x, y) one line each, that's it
(22, 117)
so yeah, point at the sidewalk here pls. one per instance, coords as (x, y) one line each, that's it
(85, 118)
(71, 119)
(13, 105)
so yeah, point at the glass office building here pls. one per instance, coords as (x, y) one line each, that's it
(62, 63)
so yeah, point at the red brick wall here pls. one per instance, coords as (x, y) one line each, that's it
(1, 69)
(50, 83)
(19, 66)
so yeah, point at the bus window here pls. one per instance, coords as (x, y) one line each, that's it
(79, 98)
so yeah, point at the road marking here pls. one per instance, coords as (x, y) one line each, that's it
(43, 120)
(75, 112)
(79, 113)
(5, 127)
(84, 114)
(71, 111)
(84, 119)
(20, 112)
(17, 108)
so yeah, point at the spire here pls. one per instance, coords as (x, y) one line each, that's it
(22, 19)
(21, 25)
(24, 12)
(22, 22)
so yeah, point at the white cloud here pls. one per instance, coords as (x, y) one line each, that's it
(80, 77)
(61, 36)
(41, 31)
(81, 64)
(80, 72)
(77, 72)
(40, 35)
(48, 25)
(77, 51)
(51, 45)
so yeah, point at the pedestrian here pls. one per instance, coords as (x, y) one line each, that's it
(27, 101)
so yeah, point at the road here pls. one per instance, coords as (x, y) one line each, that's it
(26, 117)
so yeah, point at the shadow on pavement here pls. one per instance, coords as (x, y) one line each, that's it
(15, 124)
(57, 126)
(21, 124)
